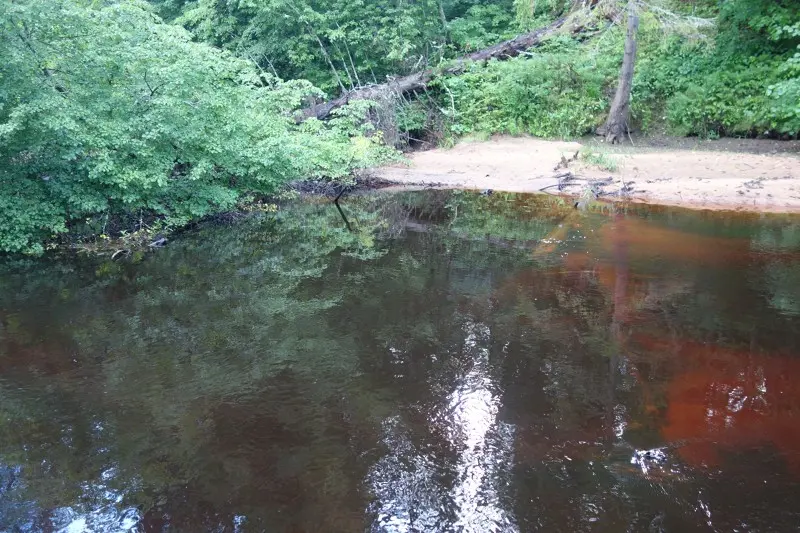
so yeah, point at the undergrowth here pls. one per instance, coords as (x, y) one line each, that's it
(693, 77)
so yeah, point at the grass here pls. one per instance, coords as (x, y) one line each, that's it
(599, 159)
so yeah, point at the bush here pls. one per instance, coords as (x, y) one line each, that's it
(703, 93)
(688, 80)
(559, 92)
(106, 109)
(745, 82)
(729, 101)
(783, 112)
(481, 26)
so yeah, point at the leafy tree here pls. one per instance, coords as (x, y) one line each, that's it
(340, 44)
(105, 109)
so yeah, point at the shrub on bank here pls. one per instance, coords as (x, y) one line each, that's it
(686, 83)
(560, 91)
(107, 112)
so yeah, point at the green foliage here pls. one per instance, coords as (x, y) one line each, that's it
(784, 96)
(748, 84)
(482, 26)
(411, 116)
(105, 109)
(752, 27)
(734, 72)
(599, 158)
(685, 82)
(531, 14)
(727, 102)
(558, 92)
(699, 98)
(337, 43)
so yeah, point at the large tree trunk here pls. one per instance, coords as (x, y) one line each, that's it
(419, 80)
(616, 126)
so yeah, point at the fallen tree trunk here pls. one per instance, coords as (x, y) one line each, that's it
(419, 80)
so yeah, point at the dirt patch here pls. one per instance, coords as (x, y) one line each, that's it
(765, 177)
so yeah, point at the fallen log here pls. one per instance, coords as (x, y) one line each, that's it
(419, 80)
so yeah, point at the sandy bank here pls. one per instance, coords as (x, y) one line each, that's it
(766, 177)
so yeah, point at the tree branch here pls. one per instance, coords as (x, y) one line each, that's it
(419, 80)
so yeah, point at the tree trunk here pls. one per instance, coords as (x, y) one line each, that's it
(330, 63)
(419, 80)
(443, 19)
(349, 55)
(616, 126)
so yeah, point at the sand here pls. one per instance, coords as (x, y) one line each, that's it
(758, 176)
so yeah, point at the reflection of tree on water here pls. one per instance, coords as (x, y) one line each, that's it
(441, 379)
(165, 355)
(677, 284)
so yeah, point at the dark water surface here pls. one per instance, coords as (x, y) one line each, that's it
(455, 363)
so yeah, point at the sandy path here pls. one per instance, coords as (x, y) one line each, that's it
(703, 179)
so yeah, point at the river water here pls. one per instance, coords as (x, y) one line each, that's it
(453, 362)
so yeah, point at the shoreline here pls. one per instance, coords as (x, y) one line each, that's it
(764, 180)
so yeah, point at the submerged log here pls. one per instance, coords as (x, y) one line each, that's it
(419, 80)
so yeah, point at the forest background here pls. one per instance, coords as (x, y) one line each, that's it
(124, 116)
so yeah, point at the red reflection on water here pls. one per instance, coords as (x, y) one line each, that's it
(730, 399)
(716, 398)
(643, 238)
(614, 260)
(27, 348)
(626, 287)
